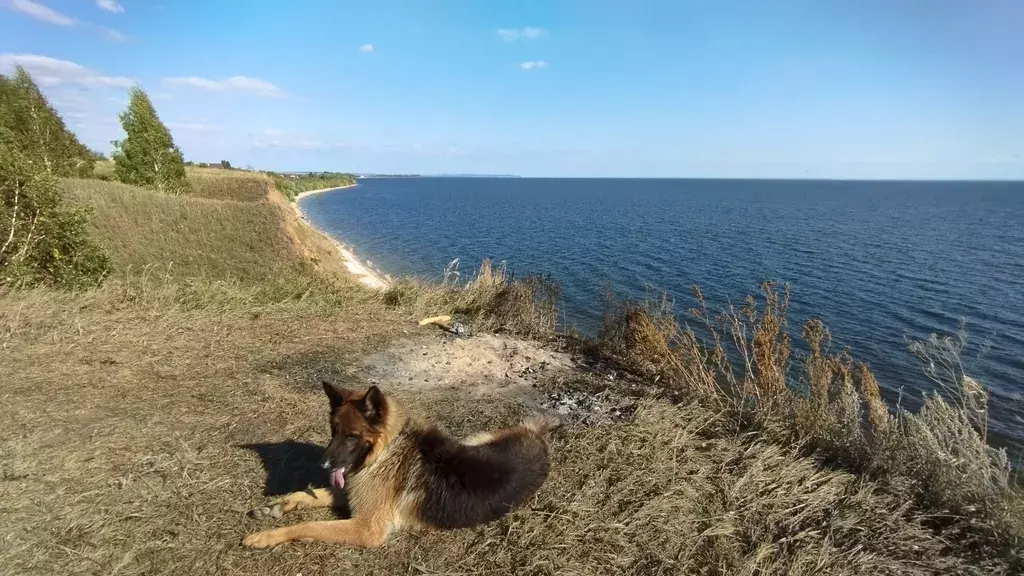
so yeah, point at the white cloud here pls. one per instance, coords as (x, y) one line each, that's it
(194, 126)
(533, 33)
(295, 144)
(111, 34)
(110, 6)
(48, 15)
(366, 48)
(533, 64)
(529, 32)
(234, 84)
(48, 71)
(161, 96)
(42, 13)
(283, 139)
(291, 141)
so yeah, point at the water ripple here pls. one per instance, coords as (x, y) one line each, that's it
(879, 262)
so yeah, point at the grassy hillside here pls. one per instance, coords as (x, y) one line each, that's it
(145, 417)
(189, 237)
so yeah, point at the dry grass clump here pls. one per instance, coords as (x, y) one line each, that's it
(493, 301)
(739, 361)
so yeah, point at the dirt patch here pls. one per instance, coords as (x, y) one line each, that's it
(482, 365)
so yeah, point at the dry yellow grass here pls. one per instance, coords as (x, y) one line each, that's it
(186, 236)
(145, 417)
(143, 430)
(237, 185)
(491, 300)
(830, 406)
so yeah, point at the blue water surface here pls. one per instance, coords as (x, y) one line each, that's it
(879, 262)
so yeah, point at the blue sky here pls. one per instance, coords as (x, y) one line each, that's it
(792, 88)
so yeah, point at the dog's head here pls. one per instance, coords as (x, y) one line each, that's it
(357, 423)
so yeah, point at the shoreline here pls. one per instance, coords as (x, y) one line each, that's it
(361, 270)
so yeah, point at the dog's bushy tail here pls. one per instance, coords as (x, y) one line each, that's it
(541, 423)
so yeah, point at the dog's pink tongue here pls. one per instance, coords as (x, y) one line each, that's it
(338, 478)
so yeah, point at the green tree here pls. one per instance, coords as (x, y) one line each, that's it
(39, 130)
(147, 156)
(42, 240)
(225, 164)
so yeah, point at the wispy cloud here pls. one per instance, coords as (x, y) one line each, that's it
(280, 139)
(234, 84)
(528, 33)
(110, 33)
(366, 48)
(288, 140)
(194, 127)
(53, 72)
(533, 33)
(44, 13)
(110, 6)
(290, 143)
(533, 65)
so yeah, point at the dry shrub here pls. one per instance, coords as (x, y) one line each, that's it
(494, 300)
(937, 458)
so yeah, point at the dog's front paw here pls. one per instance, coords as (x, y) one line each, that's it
(319, 498)
(265, 539)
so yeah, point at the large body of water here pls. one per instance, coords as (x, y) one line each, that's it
(879, 262)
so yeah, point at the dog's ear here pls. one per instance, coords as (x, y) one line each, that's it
(372, 405)
(337, 395)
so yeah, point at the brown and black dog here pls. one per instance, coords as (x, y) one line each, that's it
(401, 473)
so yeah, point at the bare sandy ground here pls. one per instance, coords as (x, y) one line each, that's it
(485, 365)
(361, 270)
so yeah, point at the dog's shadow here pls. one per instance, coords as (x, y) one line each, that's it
(294, 467)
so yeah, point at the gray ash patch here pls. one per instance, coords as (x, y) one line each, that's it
(589, 409)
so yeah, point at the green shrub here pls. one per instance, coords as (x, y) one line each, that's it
(42, 240)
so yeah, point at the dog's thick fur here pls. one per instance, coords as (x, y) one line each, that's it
(410, 475)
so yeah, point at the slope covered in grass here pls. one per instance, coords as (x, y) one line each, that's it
(186, 235)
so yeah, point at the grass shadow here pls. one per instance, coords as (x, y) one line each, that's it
(293, 467)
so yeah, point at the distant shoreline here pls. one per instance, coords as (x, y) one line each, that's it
(302, 195)
(364, 271)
